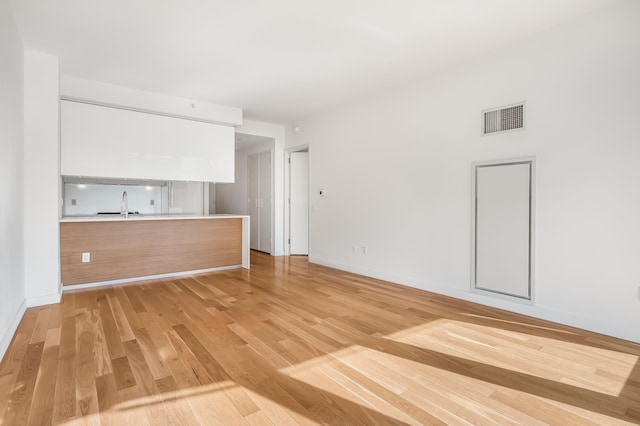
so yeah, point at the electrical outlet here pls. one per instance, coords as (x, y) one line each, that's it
(73, 202)
(86, 257)
(354, 248)
(152, 202)
(364, 249)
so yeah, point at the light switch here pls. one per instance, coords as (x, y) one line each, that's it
(86, 257)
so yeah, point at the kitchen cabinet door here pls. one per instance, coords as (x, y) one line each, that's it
(106, 142)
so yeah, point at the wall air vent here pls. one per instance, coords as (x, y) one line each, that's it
(503, 119)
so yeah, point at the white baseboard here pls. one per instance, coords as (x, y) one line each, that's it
(596, 325)
(26, 303)
(43, 300)
(55, 298)
(8, 335)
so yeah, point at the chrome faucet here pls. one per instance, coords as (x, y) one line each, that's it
(124, 207)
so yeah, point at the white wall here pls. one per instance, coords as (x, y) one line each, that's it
(231, 198)
(41, 178)
(12, 287)
(396, 167)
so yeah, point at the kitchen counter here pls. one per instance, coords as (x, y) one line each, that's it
(110, 249)
(120, 217)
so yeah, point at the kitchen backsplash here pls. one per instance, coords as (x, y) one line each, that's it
(163, 198)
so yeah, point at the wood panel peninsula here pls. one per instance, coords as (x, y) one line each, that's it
(129, 249)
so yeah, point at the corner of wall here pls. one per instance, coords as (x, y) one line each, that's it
(41, 177)
(11, 330)
(12, 86)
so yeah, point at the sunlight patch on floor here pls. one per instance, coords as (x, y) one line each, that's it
(334, 374)
(596, 369)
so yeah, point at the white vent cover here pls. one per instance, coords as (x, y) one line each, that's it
(503, 119)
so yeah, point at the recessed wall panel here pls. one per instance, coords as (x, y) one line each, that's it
(503, 229)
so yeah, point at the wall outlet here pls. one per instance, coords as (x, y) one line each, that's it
(152, 202)
(73, 202)
(354, 248)
(364, 249)
(86, 257)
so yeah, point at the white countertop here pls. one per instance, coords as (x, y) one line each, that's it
(119, 217)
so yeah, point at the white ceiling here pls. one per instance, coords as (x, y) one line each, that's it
(279, 60)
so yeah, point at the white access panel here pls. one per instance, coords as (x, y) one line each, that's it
(299, 203)
(107, 142)
(503, 228)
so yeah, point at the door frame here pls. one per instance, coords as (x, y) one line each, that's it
(532, 227)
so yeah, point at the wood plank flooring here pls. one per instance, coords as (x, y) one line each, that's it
(293, 343)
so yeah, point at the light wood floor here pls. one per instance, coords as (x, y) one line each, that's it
(292, 343)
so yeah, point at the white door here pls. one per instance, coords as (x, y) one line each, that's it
(503, 228)
(265, 203)
(253, 200)
(259, 201)
(299, 203)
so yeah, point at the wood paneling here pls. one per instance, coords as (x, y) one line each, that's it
(138, 248)
(294, 343)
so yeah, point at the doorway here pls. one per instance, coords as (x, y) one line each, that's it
(299, 203)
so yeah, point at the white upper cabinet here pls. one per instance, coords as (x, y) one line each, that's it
(100, 141)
